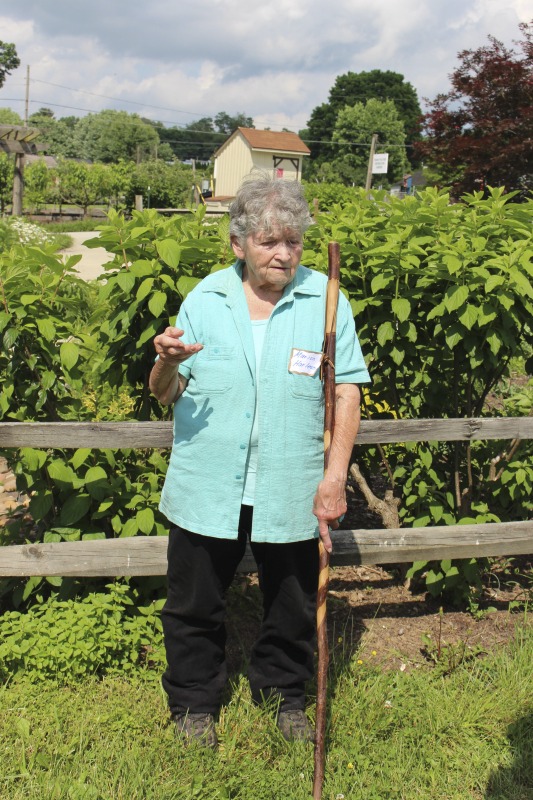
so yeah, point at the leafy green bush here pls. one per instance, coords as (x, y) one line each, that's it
(42, 331)
(443, 302)
(157, 262)
(104, 633)
(16, 230)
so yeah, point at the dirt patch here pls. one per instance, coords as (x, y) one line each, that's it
(377, 619)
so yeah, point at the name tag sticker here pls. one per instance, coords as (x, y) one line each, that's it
(305, 362)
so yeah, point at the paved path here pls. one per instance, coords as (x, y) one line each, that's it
(92, 259)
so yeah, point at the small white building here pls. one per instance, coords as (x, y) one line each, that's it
(280, 153)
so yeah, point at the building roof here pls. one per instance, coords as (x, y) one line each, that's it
(280, 141)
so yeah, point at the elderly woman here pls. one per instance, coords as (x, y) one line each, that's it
(241, 368)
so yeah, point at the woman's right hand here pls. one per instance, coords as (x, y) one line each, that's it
(170, 348)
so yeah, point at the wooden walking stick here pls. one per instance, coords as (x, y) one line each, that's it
(328, 375)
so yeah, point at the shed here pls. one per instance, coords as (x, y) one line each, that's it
(280, 153)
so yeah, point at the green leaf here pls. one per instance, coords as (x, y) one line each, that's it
(434, 582)
(157, 303)
(453, 263)
(46, 328)
(453, 337)
(74, 508)
(397, 355)
(130, 528)
(149, 332)
(455, 297)
(380, 281)
(80, 457)
(145, 520)
(469, 315)
(426, 458)
(145, 288)
(60, 473)
(186, 284)
(40, 505)
(33, 459)
(492, 282)
(69, 353)
(417, 567)
(385, 332)
(10, 337)
(169, 252)
(96, 482)
(401, 307)
(126, 281)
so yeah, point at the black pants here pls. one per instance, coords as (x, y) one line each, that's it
(200, 571)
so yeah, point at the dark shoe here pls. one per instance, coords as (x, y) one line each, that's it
(294, 726)
(196, 727)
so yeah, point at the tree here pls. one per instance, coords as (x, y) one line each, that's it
(226, 124)
(37, 185)
(56, 135)
(479, 133)
(9, 117)
(8, 61)
(162, 185)
(6, 181)
(353, 88)
(111, 135)
(84, 184)
(356, 124)
(199, 139)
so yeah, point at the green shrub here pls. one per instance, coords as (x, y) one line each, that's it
(443, 303)
(67, 640)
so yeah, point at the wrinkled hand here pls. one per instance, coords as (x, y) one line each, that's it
(170, 348)
(329, 504)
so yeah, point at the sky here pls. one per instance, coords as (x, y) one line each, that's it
(275, 61)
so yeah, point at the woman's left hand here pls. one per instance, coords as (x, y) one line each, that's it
(329, 504)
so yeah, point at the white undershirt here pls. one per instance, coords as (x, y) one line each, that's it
(259, 327)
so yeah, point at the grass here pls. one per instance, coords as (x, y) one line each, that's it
(75, 225)
(407, 736)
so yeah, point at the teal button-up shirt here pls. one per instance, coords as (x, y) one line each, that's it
(213, 417)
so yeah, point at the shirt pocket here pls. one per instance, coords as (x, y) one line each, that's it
(306, 386)
(215, 369)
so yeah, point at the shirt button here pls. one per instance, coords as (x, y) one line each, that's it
(243, 447)
(215, 349)
(238, 477)
(248, 414)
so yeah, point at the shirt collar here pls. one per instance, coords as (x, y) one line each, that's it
(227, 281)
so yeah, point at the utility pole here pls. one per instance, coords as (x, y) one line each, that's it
(27, 103)
(371, 161)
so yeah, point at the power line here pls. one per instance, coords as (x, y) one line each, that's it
(116, 99)
(122, 100)
(46, 103)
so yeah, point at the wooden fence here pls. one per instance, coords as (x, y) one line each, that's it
(145, 555)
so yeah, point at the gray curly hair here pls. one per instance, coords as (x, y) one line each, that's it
(267, 204)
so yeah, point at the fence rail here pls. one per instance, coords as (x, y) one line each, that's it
(147, 555)
(159, 434)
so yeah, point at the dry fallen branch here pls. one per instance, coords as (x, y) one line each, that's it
(386, 508)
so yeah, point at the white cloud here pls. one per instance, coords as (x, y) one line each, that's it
(274, 62)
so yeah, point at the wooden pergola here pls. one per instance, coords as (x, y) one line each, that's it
(20, 140)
